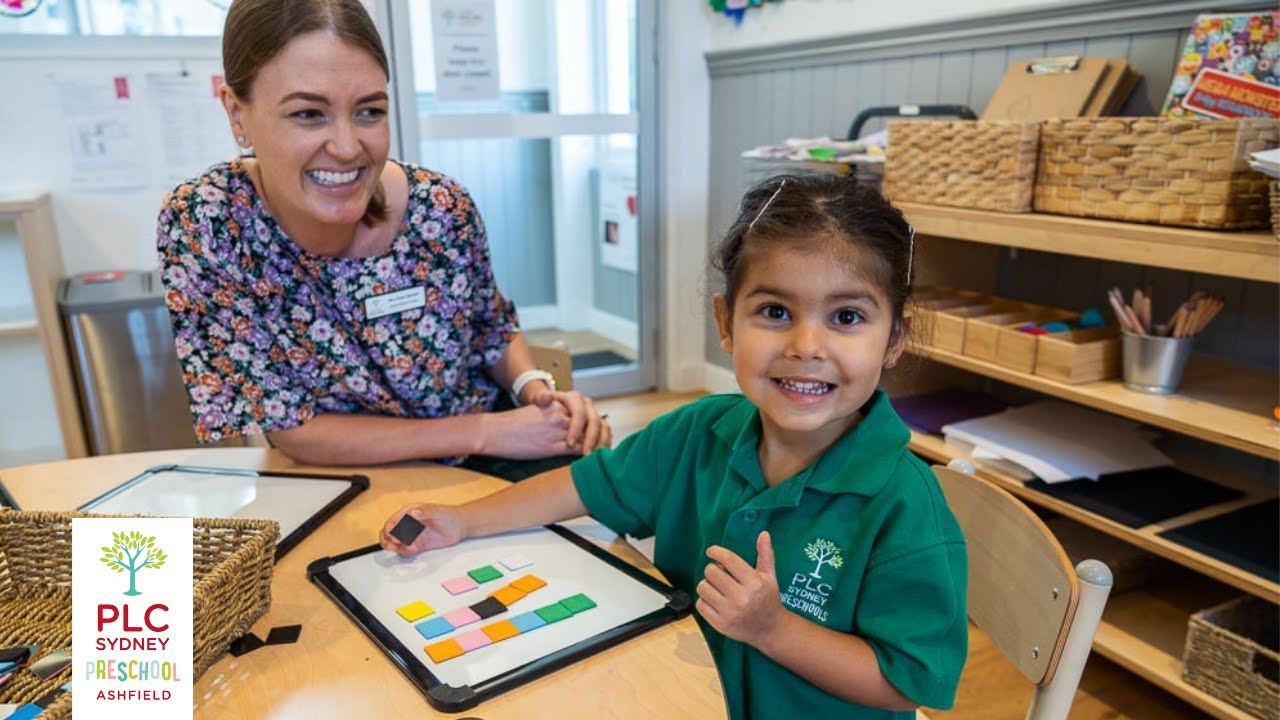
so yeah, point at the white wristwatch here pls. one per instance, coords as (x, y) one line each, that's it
(529, 376)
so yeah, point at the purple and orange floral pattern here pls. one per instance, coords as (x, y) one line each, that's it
(269, 335)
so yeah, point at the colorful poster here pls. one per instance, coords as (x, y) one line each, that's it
(1234, 45)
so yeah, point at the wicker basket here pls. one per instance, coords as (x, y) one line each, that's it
(233, 561)
(1275, 208)
(964, 163)
(1231, 654)
(1155, 170)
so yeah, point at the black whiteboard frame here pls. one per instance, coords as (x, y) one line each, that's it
(357, 485)
(453, 699)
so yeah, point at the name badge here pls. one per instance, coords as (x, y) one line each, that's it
(394, 302)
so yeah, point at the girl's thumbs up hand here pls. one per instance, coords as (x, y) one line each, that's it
(739, 600)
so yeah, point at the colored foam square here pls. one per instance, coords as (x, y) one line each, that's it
(500, 630)
(473, 640)
(444, 650)
(488, 607)
(415, 611)
(515, 562)
(554, 612)
(578, 603)
(434, 628)
(485, 574)
(507, 595)
(528, 583)
(459, 585)
(407, 530)
(528, 621)
(461, 617)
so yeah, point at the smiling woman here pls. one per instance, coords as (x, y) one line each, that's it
(337, 300)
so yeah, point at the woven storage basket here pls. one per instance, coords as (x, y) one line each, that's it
(1275, 208)
(1231, 654)
(1155, 170)
(964, 163)
(233, 561)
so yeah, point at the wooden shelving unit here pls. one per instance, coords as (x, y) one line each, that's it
(1247, 255)
(1142, 630)
(31, 216)
(935, 449)
(1219, 402)
(1223, 403)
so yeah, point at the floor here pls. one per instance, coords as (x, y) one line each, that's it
(990, 688)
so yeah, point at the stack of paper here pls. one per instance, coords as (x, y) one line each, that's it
(1058, 441)
(1266, 162)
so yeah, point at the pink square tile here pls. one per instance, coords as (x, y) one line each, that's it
(459, 585)
(472, 640)
(461, 617)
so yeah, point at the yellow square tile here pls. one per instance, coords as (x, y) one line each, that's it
(508, 595)
(415, 611)
(528, 583)
(444, 650)
(501, 630)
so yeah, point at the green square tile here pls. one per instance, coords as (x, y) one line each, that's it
(554, 612)
(484, 574)
(578, 603)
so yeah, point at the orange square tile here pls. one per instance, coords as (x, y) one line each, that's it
(528, 583)
(508, 595)
(444, 650)
(501, 630)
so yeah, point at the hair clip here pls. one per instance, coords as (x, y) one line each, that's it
(767, 204)
(911, 250)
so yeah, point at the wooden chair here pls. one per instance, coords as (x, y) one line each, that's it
(557, 361)
(1023, 593)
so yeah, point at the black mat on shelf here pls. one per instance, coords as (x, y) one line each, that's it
(930, 412)
(1245, 538)
(1139, 497)
(599, 358)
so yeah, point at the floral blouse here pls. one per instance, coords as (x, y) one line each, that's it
(269, 335)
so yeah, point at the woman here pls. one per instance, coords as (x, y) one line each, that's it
(339, 301)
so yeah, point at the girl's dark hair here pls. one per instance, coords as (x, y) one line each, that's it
(257, 30)
(798, 210)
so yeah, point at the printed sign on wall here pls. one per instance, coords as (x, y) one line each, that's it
(465, 40)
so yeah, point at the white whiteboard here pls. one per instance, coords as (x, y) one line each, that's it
(294, 501)
(382, 581)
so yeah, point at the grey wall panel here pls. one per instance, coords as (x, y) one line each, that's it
(816, 87)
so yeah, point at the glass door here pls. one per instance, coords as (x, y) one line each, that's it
(544, 111)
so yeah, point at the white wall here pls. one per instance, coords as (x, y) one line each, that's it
(684, 97)
(96, 230)
(798, 20)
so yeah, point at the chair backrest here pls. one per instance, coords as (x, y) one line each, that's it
(556, 361)
(1023, 592)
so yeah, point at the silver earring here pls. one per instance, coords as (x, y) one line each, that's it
(240, 139)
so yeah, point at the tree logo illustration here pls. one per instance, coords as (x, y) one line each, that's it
(132, 552)
(823, 552)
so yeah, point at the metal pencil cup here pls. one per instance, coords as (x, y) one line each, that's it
(1154, 363)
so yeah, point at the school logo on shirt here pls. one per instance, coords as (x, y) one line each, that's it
(808, 592)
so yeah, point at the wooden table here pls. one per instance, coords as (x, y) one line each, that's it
(335, 671)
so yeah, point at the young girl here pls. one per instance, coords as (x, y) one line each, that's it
(829, 573)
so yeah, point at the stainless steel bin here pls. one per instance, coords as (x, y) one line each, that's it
(127, 373)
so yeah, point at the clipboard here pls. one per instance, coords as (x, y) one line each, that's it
(1046, 88)
(1113, 89)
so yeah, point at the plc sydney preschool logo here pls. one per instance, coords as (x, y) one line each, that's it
(809, 591)
(131, 600)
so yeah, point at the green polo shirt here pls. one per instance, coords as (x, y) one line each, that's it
(863, 540)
